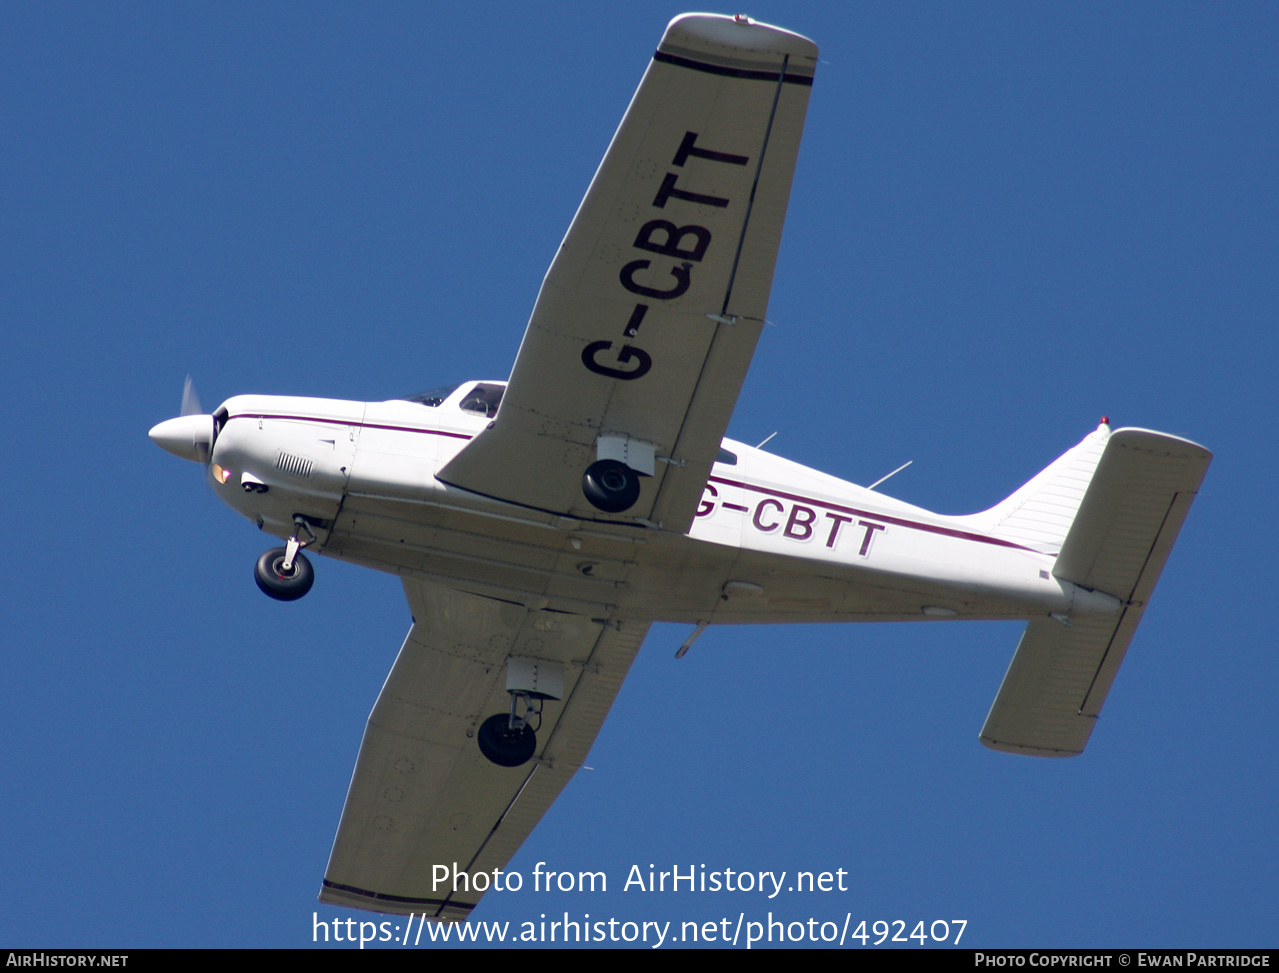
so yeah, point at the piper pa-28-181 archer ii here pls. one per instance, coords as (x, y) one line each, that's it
(542, 524)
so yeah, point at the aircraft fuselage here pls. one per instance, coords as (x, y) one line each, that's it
(773, 541)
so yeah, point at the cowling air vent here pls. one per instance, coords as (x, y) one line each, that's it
(294, 465)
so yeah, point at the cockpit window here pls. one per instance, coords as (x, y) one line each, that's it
(725, 457)
(483, 400)
(434, 397)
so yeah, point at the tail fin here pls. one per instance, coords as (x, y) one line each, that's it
(1123, 528)
(1040, 513)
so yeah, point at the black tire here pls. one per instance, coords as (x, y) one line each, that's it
(270, 576)
(504, 746)
(610, 485)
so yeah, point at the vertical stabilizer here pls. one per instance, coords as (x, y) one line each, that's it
(1040, 513)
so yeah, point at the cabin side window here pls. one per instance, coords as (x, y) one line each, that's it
(483, 400)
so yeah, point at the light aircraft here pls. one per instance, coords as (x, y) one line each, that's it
(540, 525)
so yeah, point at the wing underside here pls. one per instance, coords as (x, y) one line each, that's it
(651, 310)
(422, 795)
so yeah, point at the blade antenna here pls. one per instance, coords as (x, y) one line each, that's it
(893, 473)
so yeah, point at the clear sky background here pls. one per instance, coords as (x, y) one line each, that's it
(1008, 220)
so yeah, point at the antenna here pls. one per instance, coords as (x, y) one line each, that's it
(893, 473)
(767, 438)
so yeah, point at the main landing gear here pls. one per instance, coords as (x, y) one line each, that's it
(509, 740)
(284, 573)
(610, 485)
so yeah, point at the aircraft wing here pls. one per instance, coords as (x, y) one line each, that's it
(422, 794)
(649, 315)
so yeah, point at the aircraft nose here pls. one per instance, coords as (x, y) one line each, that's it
(190, 437)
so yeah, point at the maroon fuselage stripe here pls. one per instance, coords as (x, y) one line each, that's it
(350, 422)
(913, 524)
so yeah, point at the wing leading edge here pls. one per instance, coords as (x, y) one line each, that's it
(422, 795)
(650, 312)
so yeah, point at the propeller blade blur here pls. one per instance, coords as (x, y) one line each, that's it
(190, 399)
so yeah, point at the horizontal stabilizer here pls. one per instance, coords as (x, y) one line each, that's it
(1127, 522)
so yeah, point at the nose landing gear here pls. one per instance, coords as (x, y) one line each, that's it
(284, 573)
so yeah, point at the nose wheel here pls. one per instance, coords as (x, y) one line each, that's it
(279, 583)
(284, 573)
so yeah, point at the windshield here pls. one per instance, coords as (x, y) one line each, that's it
(433, 397)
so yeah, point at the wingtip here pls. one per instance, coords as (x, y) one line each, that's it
(737, 32)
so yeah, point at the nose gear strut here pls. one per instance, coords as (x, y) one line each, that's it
(293, 544)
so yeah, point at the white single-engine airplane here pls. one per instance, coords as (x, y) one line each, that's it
(542, 524)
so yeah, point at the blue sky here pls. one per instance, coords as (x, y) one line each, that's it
(1008, 219)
